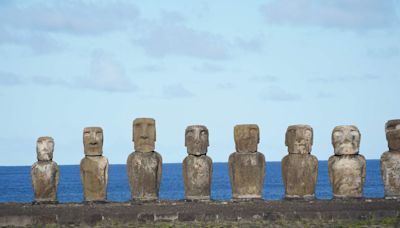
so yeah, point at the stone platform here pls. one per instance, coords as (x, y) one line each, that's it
(327, 213)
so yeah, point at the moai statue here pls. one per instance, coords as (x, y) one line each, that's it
(347, 167)
(390, 160)
(197, 166)
(94, 166)
(299, 167)
(45, 172)
(246, 165)
(144, 165)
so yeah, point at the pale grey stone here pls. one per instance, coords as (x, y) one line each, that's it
(45, 172)
(196, 139)
(346, 139)
(347, 175)
(197, 173)
(299, 167)
(390, 160)
(346, 168)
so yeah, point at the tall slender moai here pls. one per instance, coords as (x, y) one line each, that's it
(197, 166)
(347, 167)
(144, 165)
(94, 166)
(246, 165)
(390, 160)
(299, 167)
(45, 172)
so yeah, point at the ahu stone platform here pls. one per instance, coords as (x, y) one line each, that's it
(255, 213)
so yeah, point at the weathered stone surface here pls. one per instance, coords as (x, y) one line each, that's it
(299, 139)
(197, 166)
(94, 167)
(390, 160)
(144, 175)
(299, 168)
(246, 172)
(346, 139)
(144, 166)
(196, 139)
(247, 137)
(93, 141)
(45, 172)
(144, 134)
(346, 168)
(347, 175)
(246, 165)
(197, 173)
(299, 173)
(94, 177)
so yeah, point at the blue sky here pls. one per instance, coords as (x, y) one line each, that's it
(66, 65)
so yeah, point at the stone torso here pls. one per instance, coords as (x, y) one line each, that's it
(144, 171)
(45, 176)
(347, 175)
(299, 173)
(390, 170)
(94, 175)
(197, 172)
(247, 171)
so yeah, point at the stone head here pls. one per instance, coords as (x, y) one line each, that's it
(299, 139)
(247, 137)
(93, 141)
(144, 134)
(346, 139)
(45, 148)
(392, 129)
(196, 139)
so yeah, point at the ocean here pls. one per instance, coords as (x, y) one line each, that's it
(15, 183)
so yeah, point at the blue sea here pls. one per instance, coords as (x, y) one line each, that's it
(15, 183)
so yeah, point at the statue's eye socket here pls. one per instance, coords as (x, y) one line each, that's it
(253, 131)
(354, 133)
(86, 133)
(203, 132)
(337, 134)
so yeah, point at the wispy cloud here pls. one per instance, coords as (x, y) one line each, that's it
(208, 68)
(275, 93)
(10, 79)
(150, 68)
(255, 44)
(74, 17)
(225, 86)
(335, 79)
(176, 91)
(263, 79)
(107, 75)
(179, 40)
(342, 14)
(384, 53)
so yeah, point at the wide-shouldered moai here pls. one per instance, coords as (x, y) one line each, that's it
(94, 166)
(197, 166)
(299, 167)
(390, 160)
(347, 167)
(45, 172)
(246, 165)
(144, 166)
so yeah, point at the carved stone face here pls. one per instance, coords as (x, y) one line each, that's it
(144, 134)
(45, 148)
(392, 129)
(247, 137)
(93, 141)
(196, 139)
(346, 139)
(299, 139)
